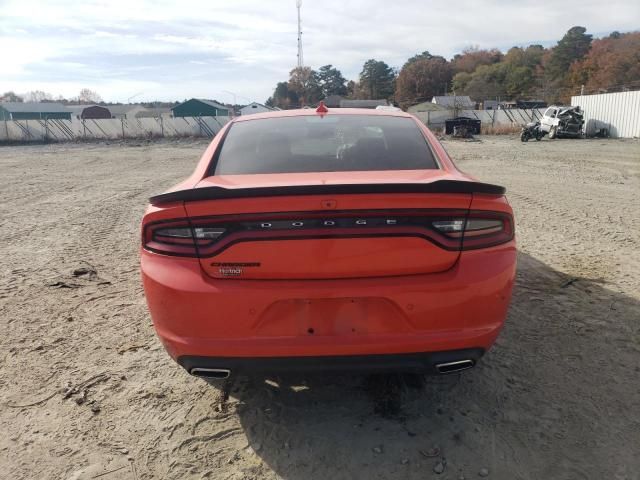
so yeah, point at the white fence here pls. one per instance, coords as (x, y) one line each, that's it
(110, 128)
(511, 117)
(617, 112)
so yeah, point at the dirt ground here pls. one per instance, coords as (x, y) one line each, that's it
(87, 391)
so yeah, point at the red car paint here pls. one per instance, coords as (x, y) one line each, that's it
(393, 287)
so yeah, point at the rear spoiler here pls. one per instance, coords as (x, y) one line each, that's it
(220, 193)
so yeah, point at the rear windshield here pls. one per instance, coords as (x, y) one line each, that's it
(338, 143)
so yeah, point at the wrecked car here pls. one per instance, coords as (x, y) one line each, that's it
(559, 121)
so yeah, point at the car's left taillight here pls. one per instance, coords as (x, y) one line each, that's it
(178, 237)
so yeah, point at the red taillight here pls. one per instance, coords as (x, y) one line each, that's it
(178, 237)
(173, 237)
(480, 229)
(451, 230)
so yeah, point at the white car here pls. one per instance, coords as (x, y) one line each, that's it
(559, 121)
(388, 108)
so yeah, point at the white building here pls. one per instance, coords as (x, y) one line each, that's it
(255, 107)
(462, 102)
(618, 113)
(127, 111)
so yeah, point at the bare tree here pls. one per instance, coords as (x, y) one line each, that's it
(10, 97)
(37, 96)
(89, 96)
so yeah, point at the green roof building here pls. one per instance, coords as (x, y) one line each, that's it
(33, 111)
(198, 107)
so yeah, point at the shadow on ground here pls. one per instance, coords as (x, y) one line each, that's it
(555, 398)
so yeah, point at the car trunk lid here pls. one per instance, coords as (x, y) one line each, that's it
(325, 226)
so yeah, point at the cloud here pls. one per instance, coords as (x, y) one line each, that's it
(173, 50)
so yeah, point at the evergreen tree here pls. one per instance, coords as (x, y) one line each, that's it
(331, 81)
(377, 80)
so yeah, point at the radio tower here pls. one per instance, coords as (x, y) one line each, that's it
(300, 57)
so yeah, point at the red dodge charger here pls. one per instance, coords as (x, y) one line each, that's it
(323, 240)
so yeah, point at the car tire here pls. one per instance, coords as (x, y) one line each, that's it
(552, 132)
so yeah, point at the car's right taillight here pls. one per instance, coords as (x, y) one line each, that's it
(480, 229)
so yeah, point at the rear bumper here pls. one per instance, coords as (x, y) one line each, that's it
(197, 316)
(429, 363)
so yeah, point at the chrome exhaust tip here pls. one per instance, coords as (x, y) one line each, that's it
(453, 367)
(216, 373)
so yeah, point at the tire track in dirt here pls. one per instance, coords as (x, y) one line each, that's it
(555, 398)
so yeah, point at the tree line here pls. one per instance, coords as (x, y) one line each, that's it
(577, 63)
(85, 97)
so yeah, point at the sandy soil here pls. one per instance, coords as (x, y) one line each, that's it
(88, 392)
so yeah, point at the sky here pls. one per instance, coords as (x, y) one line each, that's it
(237, 50)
